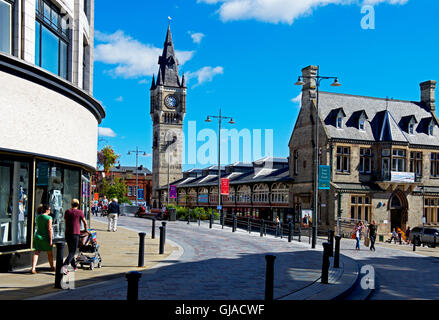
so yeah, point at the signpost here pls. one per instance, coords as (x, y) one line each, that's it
(173, 192)
(224, 187)
(325, 178)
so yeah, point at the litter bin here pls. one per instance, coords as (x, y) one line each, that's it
(381, 238)
(172, 214)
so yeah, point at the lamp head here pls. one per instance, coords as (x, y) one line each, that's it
(336, 83)
(299, 82)
(231, 121)
(129, 153)
(208, 119)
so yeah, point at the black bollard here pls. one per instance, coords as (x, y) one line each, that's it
(141, 249)
(262, 227)
(337, 252)
(269, 278)
(133, 285)
(248, 225)
(290, 227)
(199, 219)
(414, 243)
(211, 221)
(162, 238)
(189, 217)
(325, 264)
(331, 242)
(281, 229)
(434, 245)
(223, 219)
(153, 228)
(300, 232)
(234, 223)
(59, 264)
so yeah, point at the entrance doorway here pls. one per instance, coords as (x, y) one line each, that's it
(398, 207)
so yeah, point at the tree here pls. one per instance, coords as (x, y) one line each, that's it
(116, 189)
(107, 158)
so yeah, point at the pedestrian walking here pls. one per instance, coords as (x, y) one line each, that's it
(43, 237)
(372, 234)
(73, 218)
(407, 235)
(394, 236)
(277, 225)
(113, 215)
(358, 230)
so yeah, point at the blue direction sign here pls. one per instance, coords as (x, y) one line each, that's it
(325, 178)
(140, 194)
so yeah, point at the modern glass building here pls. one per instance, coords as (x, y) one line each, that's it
(48, 139)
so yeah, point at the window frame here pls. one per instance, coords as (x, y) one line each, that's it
(359, 205)
(11, 4)
(343, 159)
(58, 30)
(434, 164)
(366, 157)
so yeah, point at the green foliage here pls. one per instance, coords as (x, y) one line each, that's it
(116, 189)
(107, 158)
(203, 213)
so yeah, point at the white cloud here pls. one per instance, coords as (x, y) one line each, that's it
(204, 74)
(196, 36)
(297, 99)
(119, 99)
(106, 132)
(278, 11)
(144, 81)
(132, 58)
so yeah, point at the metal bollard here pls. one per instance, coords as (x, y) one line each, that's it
(234, 223)
(290, 226)
(269, 278)
(414, 243)
(331, 242)
(325, 264)
(59, 264)
(281, 230)
(211, 221)
(153, 228)
(133, 285)
(199, 219)
(162, 238)
(262, 227)
(300, 232)
(189, 217)
(141, 249)
(223, 219)
(434, 245)
(337, 252)
(249, 225)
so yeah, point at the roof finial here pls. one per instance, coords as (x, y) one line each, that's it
(169, 21)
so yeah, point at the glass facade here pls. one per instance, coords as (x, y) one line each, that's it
(5, 27)
(51, 39)
(57, 186)
(14, 202)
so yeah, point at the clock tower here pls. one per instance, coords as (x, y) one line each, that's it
(168, 108)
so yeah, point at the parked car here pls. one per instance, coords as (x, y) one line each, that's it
(424, 235)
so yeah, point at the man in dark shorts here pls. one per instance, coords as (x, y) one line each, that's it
(372, 235)
(73, 218)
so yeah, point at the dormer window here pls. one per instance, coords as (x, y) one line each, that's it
(411, 128)
(430, 129)
(361, 123)
(339, 122)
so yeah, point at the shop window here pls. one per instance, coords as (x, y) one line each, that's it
(14, 202)
(57, 186)
(6, 26)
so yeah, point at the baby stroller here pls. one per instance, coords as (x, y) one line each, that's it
(89, 250)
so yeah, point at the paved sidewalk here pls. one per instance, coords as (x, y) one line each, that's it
(220, 265)
(119, 251)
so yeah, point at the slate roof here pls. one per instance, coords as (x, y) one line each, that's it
(128, 169)
(386, 119)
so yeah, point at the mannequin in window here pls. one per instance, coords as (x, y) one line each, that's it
(22, 198)
(56, 205)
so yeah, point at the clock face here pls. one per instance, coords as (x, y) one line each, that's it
(171, 101)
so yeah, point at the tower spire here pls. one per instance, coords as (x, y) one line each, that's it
(168, 63)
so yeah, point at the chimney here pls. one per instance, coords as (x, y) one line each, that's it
(309, 88)
(428, 94)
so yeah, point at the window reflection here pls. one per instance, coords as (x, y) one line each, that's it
(5, 27)
(14, 191)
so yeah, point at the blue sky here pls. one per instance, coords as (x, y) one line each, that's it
(245, 56)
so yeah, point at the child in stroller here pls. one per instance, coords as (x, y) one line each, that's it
(89, 250)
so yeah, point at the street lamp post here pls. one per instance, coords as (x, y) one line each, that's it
(300, 82)
(137, 167)
(220, 118)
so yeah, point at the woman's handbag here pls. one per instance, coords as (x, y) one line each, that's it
(366, 241)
